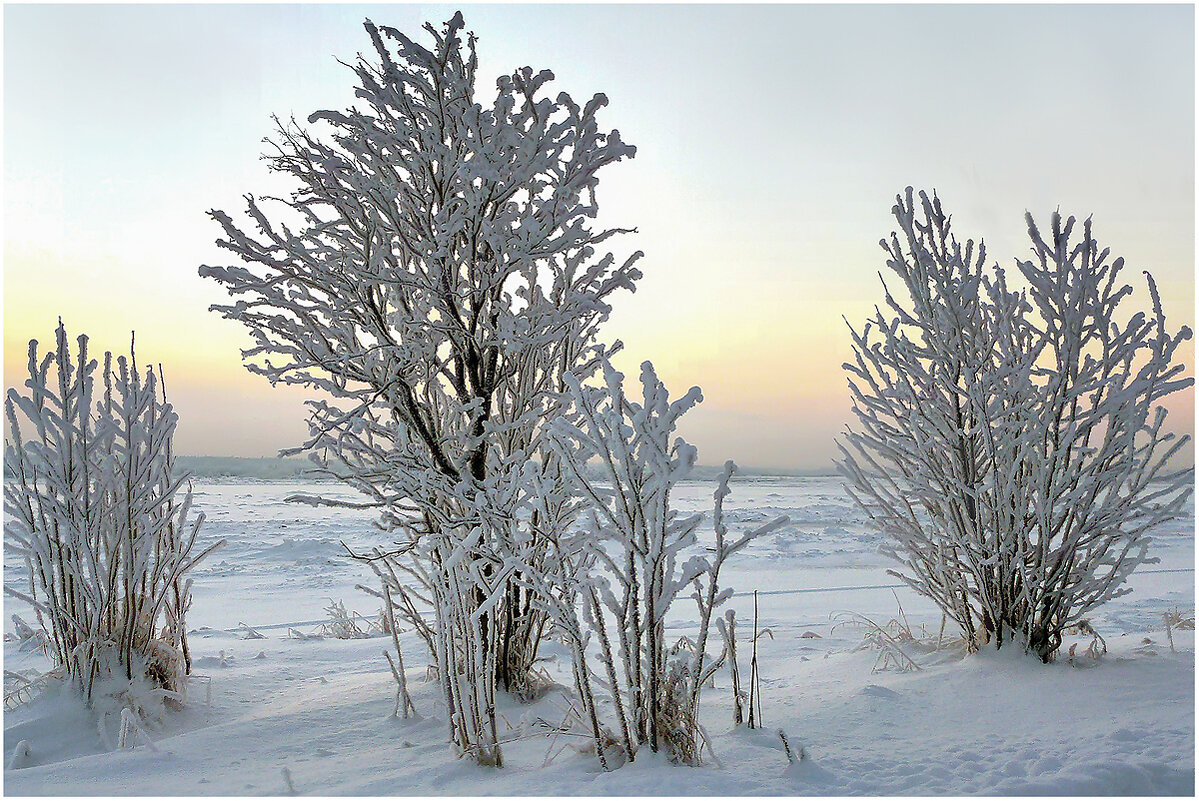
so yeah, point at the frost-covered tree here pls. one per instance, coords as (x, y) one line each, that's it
(1010, 443)
(102, 524)
(631, 563)
(434, 272)
(1101, 462)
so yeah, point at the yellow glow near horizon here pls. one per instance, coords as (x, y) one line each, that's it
(774, 391)
(771, 142)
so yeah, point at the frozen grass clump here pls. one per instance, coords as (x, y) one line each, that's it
(342, 623)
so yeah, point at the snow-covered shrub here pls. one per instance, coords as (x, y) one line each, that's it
(628, 568)
(434, 271)
(104, 528)
(1010, 443)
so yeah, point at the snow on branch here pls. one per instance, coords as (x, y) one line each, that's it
(102, 524)
(433, 274)
(631, 565)
(1010, 443)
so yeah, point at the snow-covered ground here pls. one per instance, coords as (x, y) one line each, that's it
(319, 709)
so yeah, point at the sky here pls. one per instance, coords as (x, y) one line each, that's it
(772, 141)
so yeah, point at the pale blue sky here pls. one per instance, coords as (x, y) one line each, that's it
(772, 140)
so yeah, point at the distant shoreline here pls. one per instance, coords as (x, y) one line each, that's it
(268, 468)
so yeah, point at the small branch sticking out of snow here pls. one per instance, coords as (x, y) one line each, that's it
(792, 757)
(251, 633)
(296, 634)
(20, 756)
(130, 729)
(291, 788)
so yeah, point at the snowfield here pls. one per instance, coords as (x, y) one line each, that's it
(289, 712)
